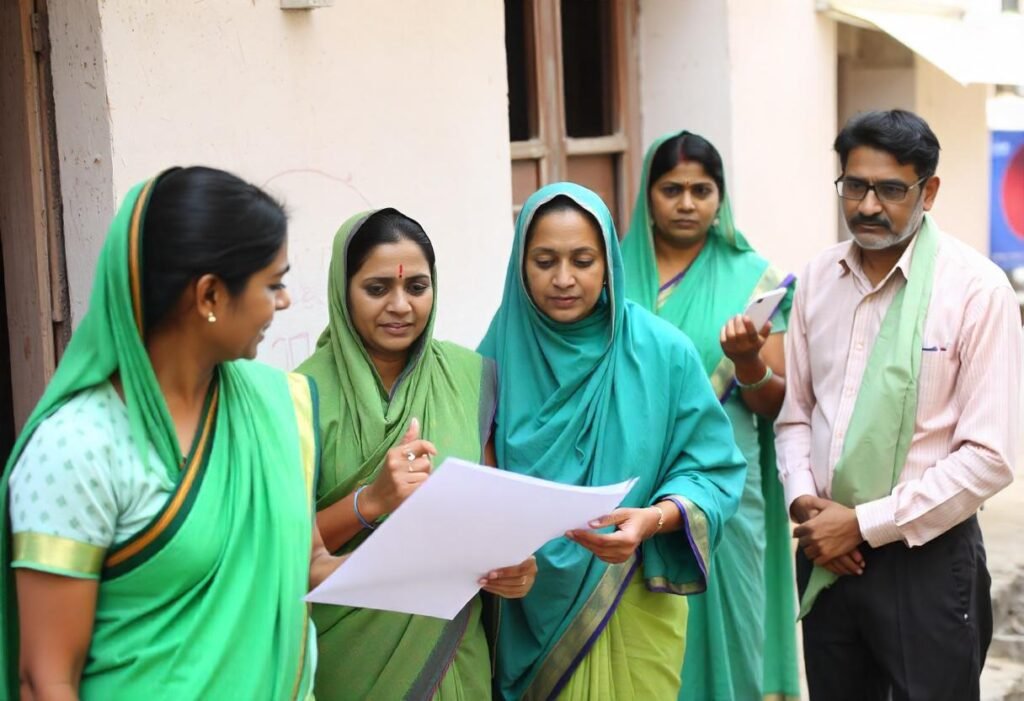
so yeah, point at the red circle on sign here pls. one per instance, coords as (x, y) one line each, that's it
(1013, 193)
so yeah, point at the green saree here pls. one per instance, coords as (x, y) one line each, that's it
(364, 653)
(741, 640)
(178, 614)
(615, 395)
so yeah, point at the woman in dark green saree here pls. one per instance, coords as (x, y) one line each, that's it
(596, 390)
(394, 403)
(160, 496)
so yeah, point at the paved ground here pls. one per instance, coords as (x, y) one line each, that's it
(1001, 522)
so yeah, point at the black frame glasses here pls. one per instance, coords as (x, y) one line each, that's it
(891, 192)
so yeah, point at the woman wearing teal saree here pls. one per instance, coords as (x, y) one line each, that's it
(686, 262)
(384, 382)
(595, 390)
(160, 496)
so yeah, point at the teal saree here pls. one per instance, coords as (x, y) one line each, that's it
(618, 394)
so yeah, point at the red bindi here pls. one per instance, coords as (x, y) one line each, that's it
(400, 270)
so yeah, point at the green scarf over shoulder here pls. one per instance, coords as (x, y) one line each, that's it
(381, 654)
(178, 613)
(885, 413)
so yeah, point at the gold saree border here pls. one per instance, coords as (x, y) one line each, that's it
(152, 532)
(297, 688)
(303, 396)
(697, 529)
(58, 553)
(135, 254)
(569, 647)
(305, 420)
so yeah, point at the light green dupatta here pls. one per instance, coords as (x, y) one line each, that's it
(884, 415)
(731, 652)
(364, 653)
(178, 614)
(616, 395)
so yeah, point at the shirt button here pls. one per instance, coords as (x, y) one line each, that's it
(848, 391)
(859, 346)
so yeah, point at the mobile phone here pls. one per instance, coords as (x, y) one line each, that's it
(761, 309)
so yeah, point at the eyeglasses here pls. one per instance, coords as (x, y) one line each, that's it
(889, 191)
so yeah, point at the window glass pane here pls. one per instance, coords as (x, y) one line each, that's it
(517, 48)
(587, 47)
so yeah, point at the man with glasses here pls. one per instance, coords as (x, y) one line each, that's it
(901, 410)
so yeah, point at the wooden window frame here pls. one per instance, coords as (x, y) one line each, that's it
(551, 148)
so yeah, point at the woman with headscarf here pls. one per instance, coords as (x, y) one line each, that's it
(395, 402)
(596, 390)
(158, 500)
(686, 262)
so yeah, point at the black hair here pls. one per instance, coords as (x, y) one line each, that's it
(901, 133)
(562, 203)
(203, 221)
(685, 146)
(385, 226)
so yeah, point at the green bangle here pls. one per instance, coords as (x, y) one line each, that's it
(768, 375)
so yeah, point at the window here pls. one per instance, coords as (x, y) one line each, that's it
(573, 97)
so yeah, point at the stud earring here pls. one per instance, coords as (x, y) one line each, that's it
(211, 317)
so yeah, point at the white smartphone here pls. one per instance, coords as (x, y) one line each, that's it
(762, 308)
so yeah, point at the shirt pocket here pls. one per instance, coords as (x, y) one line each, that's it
(936, 383)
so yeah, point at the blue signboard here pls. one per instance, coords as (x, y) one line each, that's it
(1007, 201)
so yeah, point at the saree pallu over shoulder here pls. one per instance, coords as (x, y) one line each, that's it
(244, 515)
(618, 394)
(364, 653)
(178, 615)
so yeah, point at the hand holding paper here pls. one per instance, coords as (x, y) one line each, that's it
(464, 522)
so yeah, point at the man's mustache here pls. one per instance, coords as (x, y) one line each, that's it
(861, 220)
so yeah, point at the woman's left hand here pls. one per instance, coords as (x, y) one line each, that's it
(741, 341)
(511, 582)
(632, 527)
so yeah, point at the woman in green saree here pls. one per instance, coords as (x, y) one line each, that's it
(596, 390)
(394, 402)
(686, 262)
(159, 471)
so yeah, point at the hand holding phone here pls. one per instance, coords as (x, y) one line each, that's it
(761, 309)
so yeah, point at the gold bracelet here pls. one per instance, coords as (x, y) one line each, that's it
(661, 517)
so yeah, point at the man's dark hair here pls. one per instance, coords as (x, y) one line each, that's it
(903, 134)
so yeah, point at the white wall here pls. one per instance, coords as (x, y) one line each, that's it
(364, 104)
(83, 139)
(783, 55)
(759, 81)
(957, 116)
(685, 71)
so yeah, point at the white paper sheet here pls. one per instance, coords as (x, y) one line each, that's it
(465, 521)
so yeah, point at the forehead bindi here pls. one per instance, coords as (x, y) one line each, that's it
(687, 173)
(400, 260)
